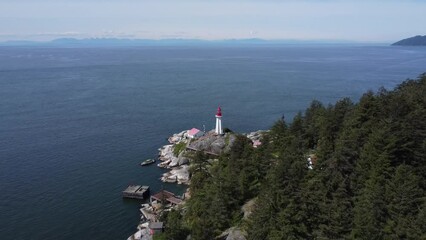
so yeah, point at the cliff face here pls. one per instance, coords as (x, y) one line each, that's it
(413, 41)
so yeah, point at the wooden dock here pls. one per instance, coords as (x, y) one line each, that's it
(136, 191)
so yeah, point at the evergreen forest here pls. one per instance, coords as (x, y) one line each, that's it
(367, 179)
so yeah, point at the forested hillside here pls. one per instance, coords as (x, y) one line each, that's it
(368, 180)
(412, 41)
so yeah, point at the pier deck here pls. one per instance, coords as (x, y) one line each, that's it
(136, 191)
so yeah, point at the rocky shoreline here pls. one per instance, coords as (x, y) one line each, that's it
(179, 164)
(176, 156)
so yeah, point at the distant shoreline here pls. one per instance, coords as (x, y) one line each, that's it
(116, 42)
(416, 41)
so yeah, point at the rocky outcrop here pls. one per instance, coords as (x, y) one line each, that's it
(169, 160)
(166, 152)
(182, 158)
(174, 162)
(253, 136)
(178, 175)
(248, 208)
(233, 233)
(212, 143)
(178, 137)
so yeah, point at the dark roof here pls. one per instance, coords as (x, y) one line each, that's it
(162, 195)
(174, 200)
(168, 196)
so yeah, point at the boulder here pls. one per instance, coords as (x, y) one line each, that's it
(182, 159)
(233, 233)
(174, 161)
(166, 152)
(179, 175)
(164, 164)
(182, 174)
(256, 135)
(177, 137)
(178, 161)
(248, 208)
(236, 234)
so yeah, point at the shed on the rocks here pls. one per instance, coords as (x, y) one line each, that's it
(157, 227)
(195, 133)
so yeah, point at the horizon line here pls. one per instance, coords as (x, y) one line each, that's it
(258, 40)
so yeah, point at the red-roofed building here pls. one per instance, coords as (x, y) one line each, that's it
(195, 133)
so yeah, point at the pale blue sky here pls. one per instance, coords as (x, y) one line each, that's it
(358, 20)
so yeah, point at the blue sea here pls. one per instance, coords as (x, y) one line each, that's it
(76, 122)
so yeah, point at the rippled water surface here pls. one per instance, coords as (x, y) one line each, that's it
(75, 123)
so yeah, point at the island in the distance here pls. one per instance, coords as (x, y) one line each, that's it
(412, 41)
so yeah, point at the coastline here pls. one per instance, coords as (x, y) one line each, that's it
(176, 156)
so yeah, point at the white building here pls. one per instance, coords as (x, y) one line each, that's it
(195, 133)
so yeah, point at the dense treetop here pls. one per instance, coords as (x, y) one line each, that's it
(368, 180)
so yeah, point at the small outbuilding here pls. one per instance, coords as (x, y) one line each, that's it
(195, 133)
(156, 227)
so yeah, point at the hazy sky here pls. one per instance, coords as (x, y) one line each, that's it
(359, 20)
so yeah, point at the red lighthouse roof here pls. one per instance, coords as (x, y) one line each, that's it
(219, 112)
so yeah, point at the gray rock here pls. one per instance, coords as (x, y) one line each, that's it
(256, 135)
(218, 145)
(213, 143)
(231, 141)
(233, 233)
(248, 208)
(179, 175)
(177, 137)
(174, 161)
(182, 159)
(236, 234)
(166, 152)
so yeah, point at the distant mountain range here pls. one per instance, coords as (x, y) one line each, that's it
(412, 41)
(120, 42)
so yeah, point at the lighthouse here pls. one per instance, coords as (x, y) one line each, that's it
(218, 129)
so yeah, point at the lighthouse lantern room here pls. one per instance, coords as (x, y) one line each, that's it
(218, 129)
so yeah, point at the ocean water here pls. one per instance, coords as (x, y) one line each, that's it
(75, 123)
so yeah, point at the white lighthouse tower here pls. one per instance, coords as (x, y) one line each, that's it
(218, 129)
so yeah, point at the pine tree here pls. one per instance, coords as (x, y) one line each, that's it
(368, 182)
(174, 227)
(337, 208)
(313, 119)
(405, 198)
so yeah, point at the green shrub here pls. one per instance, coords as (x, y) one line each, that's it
(227, 130)
(179, 148)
